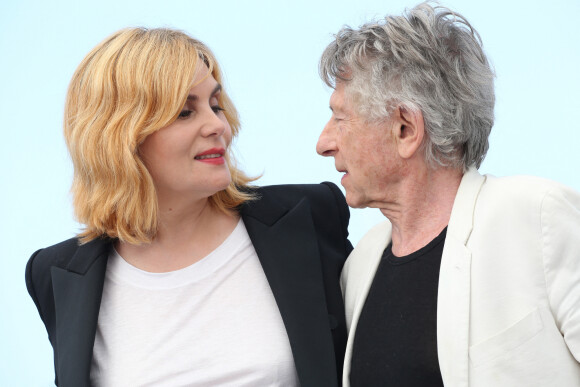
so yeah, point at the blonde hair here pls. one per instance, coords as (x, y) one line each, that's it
(132, 84)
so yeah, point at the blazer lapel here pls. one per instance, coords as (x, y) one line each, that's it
(356, 280)
(77, 297)
(453, 299)
(286, 244)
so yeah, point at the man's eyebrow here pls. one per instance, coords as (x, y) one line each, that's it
(193, 97)
(336, 109)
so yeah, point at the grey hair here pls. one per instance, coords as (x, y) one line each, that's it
(430, 59)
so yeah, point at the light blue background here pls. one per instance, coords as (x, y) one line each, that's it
(269, 52)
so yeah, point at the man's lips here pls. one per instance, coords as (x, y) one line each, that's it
(212, 156)
(343, 176)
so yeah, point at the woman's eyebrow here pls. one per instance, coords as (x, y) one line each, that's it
(193, 97)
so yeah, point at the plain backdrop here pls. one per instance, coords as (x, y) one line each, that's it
(269, 52)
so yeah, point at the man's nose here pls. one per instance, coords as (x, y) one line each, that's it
(326, 145)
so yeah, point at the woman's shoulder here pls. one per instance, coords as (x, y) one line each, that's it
(325, 201)
(319, 193)
(38, 273)
(55, 254)
(61, 255)
(68, 255)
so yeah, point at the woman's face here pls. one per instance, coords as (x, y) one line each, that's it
(186, 158)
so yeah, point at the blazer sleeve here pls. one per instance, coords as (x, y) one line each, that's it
(30, 282)
(560, 221)
(39, 286)
(343, 213)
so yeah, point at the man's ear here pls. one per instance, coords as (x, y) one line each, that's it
(409, 131)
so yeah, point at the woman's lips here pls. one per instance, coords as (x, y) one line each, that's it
(214, 156)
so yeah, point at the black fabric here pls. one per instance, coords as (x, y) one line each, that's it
(396, 337)
(300, 235)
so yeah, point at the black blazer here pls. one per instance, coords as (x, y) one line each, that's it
(300, 235)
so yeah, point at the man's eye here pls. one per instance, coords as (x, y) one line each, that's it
(184, 113)
(216, 109)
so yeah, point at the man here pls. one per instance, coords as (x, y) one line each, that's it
(474, 280)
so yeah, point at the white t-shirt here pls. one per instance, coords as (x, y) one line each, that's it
(214, 323)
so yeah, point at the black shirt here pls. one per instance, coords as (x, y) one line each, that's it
(396, 337)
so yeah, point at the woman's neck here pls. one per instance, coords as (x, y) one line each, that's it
(185, 235)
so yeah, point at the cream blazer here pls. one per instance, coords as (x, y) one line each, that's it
(508, 305)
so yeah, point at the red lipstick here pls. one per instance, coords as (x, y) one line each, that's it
(213, 156)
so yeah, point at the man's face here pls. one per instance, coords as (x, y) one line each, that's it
(365, 152)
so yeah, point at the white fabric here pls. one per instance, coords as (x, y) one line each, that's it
(214, 323)
(508, 309)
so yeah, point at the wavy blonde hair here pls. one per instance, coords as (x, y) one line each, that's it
(132, 84)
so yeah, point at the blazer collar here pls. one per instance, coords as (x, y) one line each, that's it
(356, 280)
(454, 293)
(77, 297)
(285, 240)
(461, 220)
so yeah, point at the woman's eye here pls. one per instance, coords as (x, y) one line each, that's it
(184, 113)
(217, 108)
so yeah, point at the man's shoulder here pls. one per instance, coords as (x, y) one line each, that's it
(506, 207)
(522, 182)
(368, 250)
(523, 190)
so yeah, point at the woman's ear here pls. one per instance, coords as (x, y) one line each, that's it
(409, 131)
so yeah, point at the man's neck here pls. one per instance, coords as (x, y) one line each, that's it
(423, 208)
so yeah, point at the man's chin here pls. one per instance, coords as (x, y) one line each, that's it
(354, 201)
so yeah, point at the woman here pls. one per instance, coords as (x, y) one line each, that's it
(184, 274)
